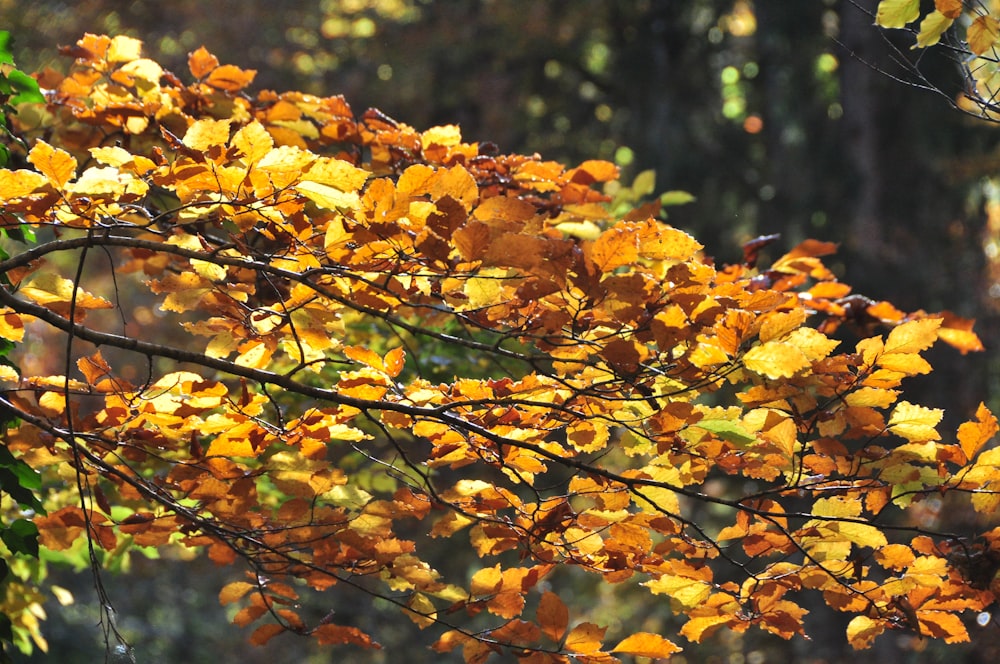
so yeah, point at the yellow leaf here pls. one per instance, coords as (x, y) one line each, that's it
(915, 423)
(931, 29)
(447, 136)
(913, 336)
(254, 354)
(778, 324)
(862, 630)
(326, 197)
(124, 49)
(107, 181)
(684, 592)
(11, 326)
(776, 359)
(486, 581)
(585, 638)
(206, 133)
(337, 173)
(910, 364)
(421, 610)
(813, 343)
(837, 506)
(55, 164)
(668, 243)
(48, 287)
(644, 644)
(20, 183)
(253, 142)
(871, 397)
(588, 435)
(897, 13)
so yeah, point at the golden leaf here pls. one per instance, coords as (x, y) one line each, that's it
(327, 197)
(206, 133)
(915, 423)
(684, 592)
(253, 142)
(913, 336)
(644, 644)
(11, 326)
(776, 359)
(983, 34)
(57, 165)
(862, 630)
(20, 183)
(973, 435)
(234, 591)
(615, 247)
(585, 638)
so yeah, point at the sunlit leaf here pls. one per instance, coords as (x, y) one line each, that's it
(897, 13)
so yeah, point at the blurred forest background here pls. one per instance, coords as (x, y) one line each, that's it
(792, 117)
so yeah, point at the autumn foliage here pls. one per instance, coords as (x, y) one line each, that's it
(365, 337)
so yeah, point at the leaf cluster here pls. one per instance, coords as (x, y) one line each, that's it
(282, 407)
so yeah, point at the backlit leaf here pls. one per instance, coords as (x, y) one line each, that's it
(585, 638)
(862, 630)
(915, 423)
(974, 434)
(983, 34)
(55, 164)
(897, 13)
(776, 359)
(552, 616)
(931, 29)
(644, 644)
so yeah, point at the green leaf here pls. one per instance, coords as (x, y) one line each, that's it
(897, 13)
(26, 88)
(644, 183)
(728, 430)
(6, 57)
(21, 537)
(676, 198)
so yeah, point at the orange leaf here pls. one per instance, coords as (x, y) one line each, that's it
(234, 591)
(201, 63)
(615, 247)
(644, 644)
(553, 616)
(265, 633)
(230, 78)
(973, 435)
(983, 34)
(57, 165)
(585, 638)
(337, 634)
(950, 8)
